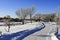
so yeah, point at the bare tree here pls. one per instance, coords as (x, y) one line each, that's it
(31, 12)
(22, 14)
(53, 16)
(58, 20)
(37, 16)
(7, 21)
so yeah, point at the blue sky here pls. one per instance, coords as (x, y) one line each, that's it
(9, 7)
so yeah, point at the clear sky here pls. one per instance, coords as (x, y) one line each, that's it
(9, 7)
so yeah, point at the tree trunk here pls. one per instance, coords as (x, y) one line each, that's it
(57, 30)
(8, 27)
(30, 18)
(23, 22)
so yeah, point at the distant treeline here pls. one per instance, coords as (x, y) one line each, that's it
(11, 19)
(18, 20)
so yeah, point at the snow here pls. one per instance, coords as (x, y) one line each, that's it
(22, 33)
(53, 37)
(18, 28)
(30, 31)
(44, 34)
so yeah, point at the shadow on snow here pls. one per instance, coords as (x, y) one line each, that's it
(22, 34)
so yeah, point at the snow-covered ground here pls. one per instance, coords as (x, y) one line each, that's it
(45, 34)
(30, 31)
(18, 28)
